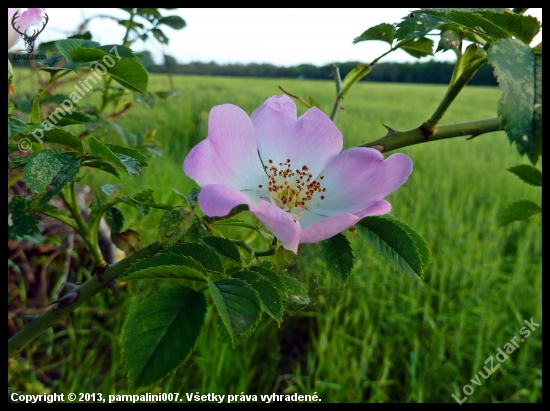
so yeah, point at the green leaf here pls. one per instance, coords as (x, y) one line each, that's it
(74, 118)
(270, 298)
(16, 126)
(63, 177)
(417, 47)
(337, 254)
(177, 223)
(128, 241)
(175, 22)
(519, 210)
(43, 166)
(110, 189)
(356, 74)
(384, 32)
(102, 165)
(166, 265)
(66, 46)
(64, 138)
(160, 334)
(472, 54)
(295, 290)
(20, 221)
(130, 152)
(398, 244)
(201, 253)
(528, 173)
(239, 306)
(129, 72)
(273, 277)
(160, 36)
(537, 108)
(115, 219)
(223, 246)
(514, 64)
(490, 23)
(417, 24)
(233, 222)
(101, 150)
(142, 201)
(116, 50)
(450, 39)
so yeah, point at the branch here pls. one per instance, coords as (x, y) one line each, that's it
(397, 139)
(77, 296)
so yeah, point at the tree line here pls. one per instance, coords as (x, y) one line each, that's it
(429, 72)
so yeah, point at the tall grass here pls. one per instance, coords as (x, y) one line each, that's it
(384, 337)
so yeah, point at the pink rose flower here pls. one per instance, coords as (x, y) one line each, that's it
(290, 172)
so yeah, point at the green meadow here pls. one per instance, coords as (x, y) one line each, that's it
(384, 337)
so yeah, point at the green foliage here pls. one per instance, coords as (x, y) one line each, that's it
(65, 175)
(115, 219)
(515, 67)
(160, 334)
(417, 47)
(520, 210)
(527, 173)
(384, 32)
(175, 22)
(223, 246)
(177, 223)
(58, 135)
(129, 72)
(238, 305)
(337, 254)
(273, 277)
(121, 161)
(20, 221)
(166, 265)
(295, 290)
(128, 241)
(489, 24)
(269, 295)
(205, 255)
(397, 243)
(43, 166)
(450, 39)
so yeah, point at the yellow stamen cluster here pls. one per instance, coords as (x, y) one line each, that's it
(292, 188)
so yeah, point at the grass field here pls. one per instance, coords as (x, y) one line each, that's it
(382, 338)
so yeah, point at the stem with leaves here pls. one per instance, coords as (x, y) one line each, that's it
(76, 297)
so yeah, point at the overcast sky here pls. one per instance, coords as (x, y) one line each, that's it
(282, 37)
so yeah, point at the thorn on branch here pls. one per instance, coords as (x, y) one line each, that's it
(65, 300)
(390, 130)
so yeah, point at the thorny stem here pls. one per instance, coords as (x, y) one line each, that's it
(82, 293)
(398, 139)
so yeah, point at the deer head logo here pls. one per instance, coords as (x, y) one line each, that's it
(29, 39)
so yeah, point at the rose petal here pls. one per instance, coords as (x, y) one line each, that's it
(379, 208)
(229, 155)
(327, 228)
(279, 223)
(358, 178)
(217, 200)
(312, 140)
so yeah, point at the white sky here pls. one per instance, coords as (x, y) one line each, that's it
(282, 37)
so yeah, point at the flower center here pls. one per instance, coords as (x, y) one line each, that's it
(292, 189)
